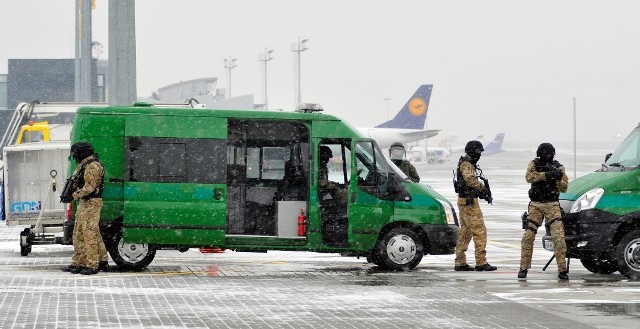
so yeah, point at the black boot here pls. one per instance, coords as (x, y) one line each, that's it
(464, 267)
(103, 266)
(486, 267)
(522, 274)
(89, 271)
(68, 268)
(77, 270)
(564, 275)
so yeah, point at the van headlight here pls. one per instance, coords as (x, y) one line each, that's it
(588, 200)
(448, 211)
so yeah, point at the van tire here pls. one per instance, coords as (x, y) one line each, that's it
(599, 266)
(373, 257)
(627, 255)
(400, 250)
(130, 256)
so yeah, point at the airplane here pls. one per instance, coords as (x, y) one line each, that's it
(408, 125)
(495, 146)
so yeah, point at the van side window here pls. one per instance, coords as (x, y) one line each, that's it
(176, 160)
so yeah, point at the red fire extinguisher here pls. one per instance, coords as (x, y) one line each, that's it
(302, 229)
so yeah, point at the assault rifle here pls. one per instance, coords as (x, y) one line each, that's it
(548, 168)
(486, 195)
(69, 187)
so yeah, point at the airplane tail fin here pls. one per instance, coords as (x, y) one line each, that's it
(495, 146)
(414, 113)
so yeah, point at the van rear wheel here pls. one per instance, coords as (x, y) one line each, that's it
(628, 255)
(131, 256)
(599, 266)
(401, 250)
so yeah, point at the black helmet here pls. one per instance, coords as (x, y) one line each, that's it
(325, 154)
(81, 150)
(397, 151)
(545, 149)
(474, 150)
(397, 144)
(473, 147)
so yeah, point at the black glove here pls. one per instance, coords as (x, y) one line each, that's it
(554, 174)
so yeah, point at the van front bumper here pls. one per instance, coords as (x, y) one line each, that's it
(441, 239)
(588, 234)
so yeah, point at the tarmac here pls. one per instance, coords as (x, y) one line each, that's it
(245, 290)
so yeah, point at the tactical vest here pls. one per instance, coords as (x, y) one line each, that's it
(97, 193)
(463, 189)
(546, 190)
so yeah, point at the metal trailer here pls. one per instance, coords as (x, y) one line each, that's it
(34, 175)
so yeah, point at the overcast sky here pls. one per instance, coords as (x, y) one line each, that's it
(496, 66)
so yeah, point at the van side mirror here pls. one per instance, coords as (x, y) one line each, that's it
(397, 192)
(606, 157)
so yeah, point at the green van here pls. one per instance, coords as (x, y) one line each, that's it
(248, 180)
(602, 213)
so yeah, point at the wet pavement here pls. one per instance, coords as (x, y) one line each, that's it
(250, 290)
(312, 290)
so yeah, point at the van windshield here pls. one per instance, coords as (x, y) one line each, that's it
(399, 173)
(627, 155)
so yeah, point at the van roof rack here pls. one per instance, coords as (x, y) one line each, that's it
(309, 108)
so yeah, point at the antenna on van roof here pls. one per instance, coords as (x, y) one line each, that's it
(309, 108)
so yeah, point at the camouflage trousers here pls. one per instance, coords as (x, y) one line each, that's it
(88, 247)
(471, 226)
(549, 211)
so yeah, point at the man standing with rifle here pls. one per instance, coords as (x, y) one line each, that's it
(85, 186)
(547, 178)
(469, 189)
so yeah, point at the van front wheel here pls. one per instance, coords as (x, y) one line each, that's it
(131, 256)
(599, 266)
(401, 249)
(628, 255)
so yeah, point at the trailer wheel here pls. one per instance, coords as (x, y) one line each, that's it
(627, 255)
(401, 249)
(599, 266)
(25, 242)
(130, 256)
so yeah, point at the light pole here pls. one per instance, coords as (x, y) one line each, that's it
(387, 99)
(96, 48)
(298, 47)
(265, 58)
(229, 64)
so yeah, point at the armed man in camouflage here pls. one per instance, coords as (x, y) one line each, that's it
(89, 252)
(397, 154)
(547, 178)
(469, 188)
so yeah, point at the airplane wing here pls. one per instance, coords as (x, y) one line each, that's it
(422, 134)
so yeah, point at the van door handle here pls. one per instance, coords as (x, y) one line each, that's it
(116, 180)
(217, 193)
(353, 197)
